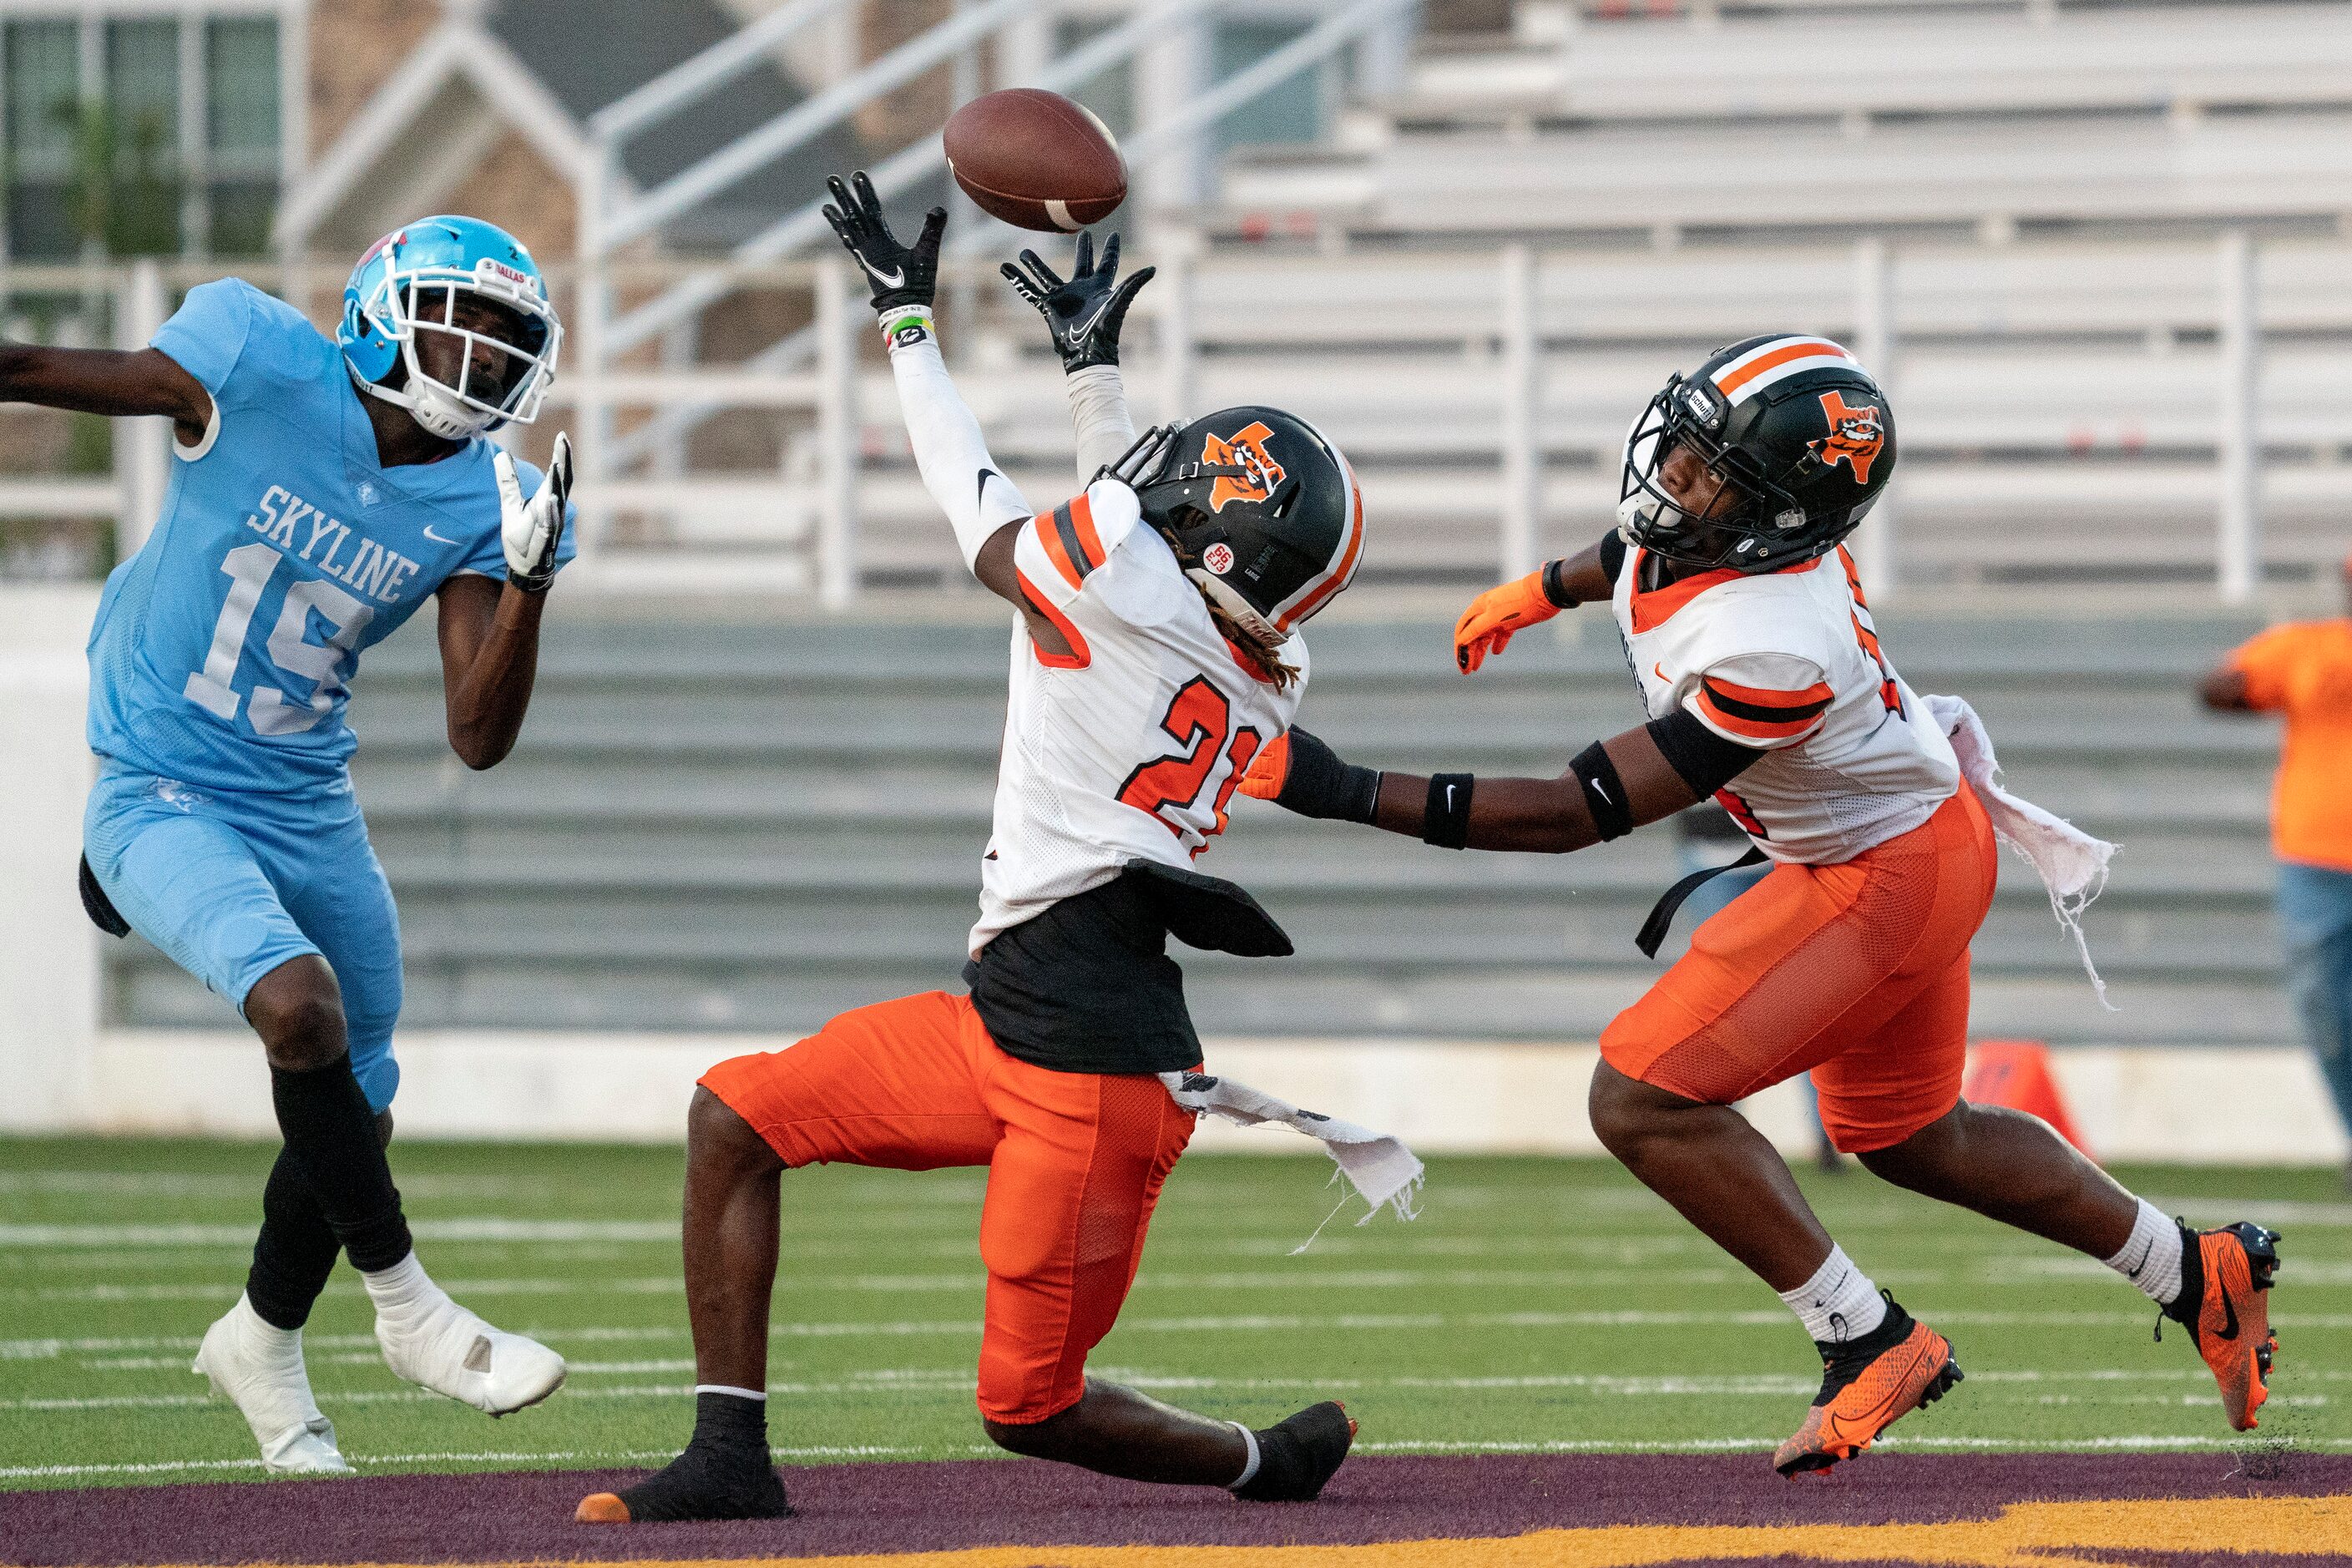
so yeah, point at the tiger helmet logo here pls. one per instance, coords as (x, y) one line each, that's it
(1857, 435)
(1244, 449)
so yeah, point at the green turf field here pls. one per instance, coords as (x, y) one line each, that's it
(1535, 1303)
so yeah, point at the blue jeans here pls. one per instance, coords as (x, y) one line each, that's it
(2314, 906)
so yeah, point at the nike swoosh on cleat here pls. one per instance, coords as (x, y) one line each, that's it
(2230, 1316)
(887, 279)
(436, 538)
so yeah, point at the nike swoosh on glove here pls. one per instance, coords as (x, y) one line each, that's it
(532, 529)
(1486, 627)
(1085, 313)
(899, 275)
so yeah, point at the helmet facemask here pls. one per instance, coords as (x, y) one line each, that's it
(1151, 466)
(1690, 415)
(500, 378)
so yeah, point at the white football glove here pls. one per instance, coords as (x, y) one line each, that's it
(531, 529)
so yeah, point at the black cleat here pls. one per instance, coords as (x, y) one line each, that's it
(1298, 1454)
(705, 1482)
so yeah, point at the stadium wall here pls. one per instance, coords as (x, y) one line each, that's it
(64, 1068)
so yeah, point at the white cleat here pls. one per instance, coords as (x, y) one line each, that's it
(442, 1346)
(258, 1367)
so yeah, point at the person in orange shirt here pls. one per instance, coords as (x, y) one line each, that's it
(2304, 671)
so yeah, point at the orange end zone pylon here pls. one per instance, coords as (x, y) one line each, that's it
(2016, 1074)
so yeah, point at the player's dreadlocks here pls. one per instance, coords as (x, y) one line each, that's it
(1270, 665)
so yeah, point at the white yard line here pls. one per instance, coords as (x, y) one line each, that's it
(858, 1451)
(486, 1227)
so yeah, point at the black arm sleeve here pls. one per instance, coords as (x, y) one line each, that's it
(1706, 761)
(1612, 555)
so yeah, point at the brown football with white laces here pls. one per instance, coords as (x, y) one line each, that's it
(1036, 159)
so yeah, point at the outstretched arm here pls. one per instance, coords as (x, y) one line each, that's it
(981, 503)
(104, 381)
(1612, 788)
(1084, 316)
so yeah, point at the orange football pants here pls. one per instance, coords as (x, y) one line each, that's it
(1858, 973)
(1076, 1162)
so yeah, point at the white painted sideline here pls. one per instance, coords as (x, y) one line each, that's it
(2216, 1105)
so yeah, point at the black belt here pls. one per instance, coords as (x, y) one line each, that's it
(1653, 933)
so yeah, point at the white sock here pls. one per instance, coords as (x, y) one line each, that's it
(2150, 1257)
(731, 1392)
(1839, 1302)
(1249, 1466)
(279, 1345)
(404, 1291)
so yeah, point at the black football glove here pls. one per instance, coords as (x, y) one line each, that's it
(899, 274)
(1084, 314)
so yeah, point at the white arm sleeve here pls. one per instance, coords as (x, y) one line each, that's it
(953, 456)
(1098, 409)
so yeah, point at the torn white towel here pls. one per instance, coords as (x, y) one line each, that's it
(1380, 1167)
(2071, 863)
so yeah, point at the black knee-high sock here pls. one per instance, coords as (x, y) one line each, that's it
(295, 1251)
(332, 1134)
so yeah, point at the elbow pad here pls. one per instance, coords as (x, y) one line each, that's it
(1705, 760)
(950, 451)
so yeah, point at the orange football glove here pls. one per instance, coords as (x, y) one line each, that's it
(1269, 769)
(1486, 627)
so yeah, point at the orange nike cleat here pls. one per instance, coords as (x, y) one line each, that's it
(1868, 1385)
(2224, 1302)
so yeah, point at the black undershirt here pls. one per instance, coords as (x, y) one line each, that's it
(1087, 985)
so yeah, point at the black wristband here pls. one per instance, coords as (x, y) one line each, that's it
(1445, 817)
(1604, 792)
(1555, 585)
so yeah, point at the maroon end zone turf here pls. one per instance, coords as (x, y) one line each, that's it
(846, 1509)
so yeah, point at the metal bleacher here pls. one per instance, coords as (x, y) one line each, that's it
(752, 826)
(724, 817)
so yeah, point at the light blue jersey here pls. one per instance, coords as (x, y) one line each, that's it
(223, 826)
(223, 650)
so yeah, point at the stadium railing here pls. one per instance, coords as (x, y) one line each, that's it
(2064, 410)
(1810, 63)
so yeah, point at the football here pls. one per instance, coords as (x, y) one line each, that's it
(1036, 159)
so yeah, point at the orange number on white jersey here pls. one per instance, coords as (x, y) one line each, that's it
(1198, 717)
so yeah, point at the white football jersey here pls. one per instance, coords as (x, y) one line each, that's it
(1131, 746)
(1789, 662)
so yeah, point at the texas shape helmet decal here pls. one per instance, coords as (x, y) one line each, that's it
(1856, 435)
(1244, 449)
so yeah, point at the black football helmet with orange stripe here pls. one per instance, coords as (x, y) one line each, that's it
(1261, 509)
(1790, 425)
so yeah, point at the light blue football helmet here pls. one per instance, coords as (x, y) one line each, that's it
(409, 282)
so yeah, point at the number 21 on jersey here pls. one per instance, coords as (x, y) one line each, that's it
(1199, 719)
(249, 568)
